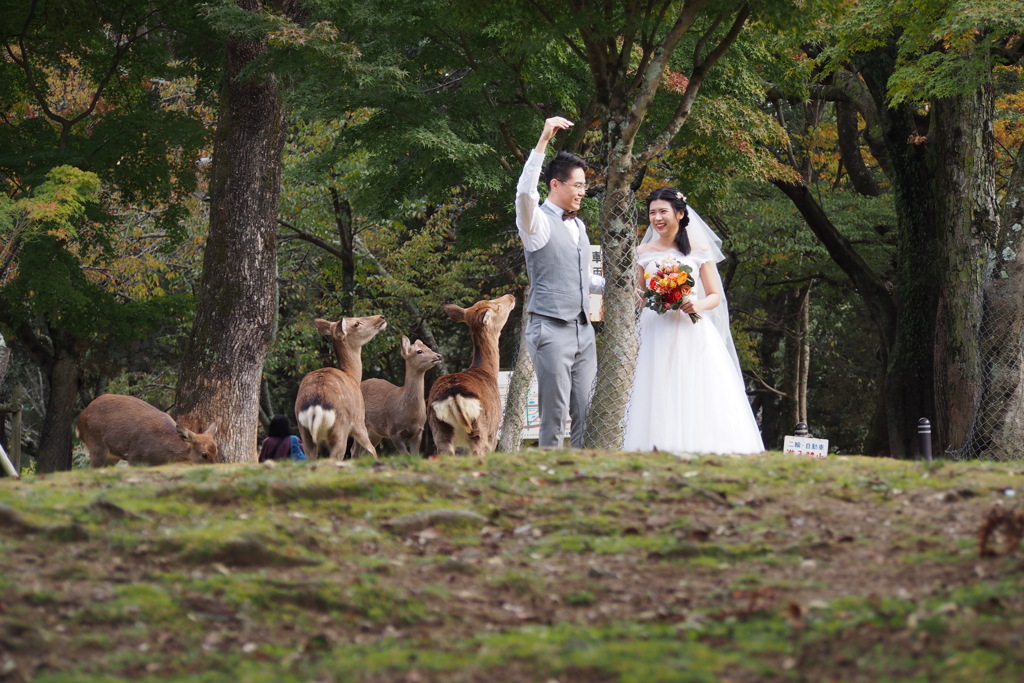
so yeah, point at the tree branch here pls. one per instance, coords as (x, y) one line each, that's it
(661, 142)
(872, 289)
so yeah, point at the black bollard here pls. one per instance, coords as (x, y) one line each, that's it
(924, 437)
(801, 429)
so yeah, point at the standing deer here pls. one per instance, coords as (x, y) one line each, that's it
(400, 413)
(115, 427)
(329, 406)
(464, 408)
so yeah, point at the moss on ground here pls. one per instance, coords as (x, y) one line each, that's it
(569, 566)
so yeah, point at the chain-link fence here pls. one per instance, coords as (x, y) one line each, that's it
(617, 343)
(997, 432)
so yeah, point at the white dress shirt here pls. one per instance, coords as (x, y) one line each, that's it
(534, 228)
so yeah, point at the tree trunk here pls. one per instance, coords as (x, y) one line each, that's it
(999, 427)
(849, 150)
(771, 348)
(346, 252)
(514, 419)
(909, 382)
(909, 388)
(804, 346)
(64, 374)
(962, 154)
(797, 356)
(617, 348)
(236, 312)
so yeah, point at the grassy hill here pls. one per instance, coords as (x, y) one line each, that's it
(564, 566)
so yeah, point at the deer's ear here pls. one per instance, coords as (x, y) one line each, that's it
(486, 318)
(405, 344)
(324, 326)
(455, 313)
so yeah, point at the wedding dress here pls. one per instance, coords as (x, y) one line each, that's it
(688, 394)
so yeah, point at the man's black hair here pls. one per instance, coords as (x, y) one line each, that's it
(561, 166)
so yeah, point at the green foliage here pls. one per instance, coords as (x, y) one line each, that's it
(55, 207)
(61, 200)
(943, 48)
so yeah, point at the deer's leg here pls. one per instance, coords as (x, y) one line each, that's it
(444, 437)
(308, 447)
(408, 442)
(98, 455)
(363, 439)
(337, 443)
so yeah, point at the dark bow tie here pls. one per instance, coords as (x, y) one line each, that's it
(566, 215)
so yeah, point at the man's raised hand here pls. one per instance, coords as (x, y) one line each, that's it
(552, 126)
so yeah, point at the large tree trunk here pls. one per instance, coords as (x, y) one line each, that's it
(64, 376)
(999, 427)
(909, 386)
(909, 381)
(962, 155)
(236, 310)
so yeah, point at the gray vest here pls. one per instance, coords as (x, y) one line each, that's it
(559, 272)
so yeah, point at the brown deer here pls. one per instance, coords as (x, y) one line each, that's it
(116, 427)
(400, 413)
(329, 406)
(464, 408)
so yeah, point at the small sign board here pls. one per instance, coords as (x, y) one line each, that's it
(531, 423)
(596, 268)
(805, 445)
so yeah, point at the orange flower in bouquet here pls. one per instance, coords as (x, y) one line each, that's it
(668, 287)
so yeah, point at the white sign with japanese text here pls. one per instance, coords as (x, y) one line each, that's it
(805, 445)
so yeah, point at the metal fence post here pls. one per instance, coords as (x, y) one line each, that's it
(924, 437)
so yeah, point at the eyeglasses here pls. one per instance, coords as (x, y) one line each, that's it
(579, 187)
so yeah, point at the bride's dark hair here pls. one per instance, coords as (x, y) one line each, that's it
(678, 202)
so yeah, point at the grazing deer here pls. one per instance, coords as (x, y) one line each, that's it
(464, 408)
(400, 413)
(329, 406)
(115, 427)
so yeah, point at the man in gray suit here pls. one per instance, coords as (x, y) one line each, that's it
(559, 334)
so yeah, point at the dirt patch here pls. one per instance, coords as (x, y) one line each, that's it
(536, 566)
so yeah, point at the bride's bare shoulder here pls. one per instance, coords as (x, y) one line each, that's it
(645, 248)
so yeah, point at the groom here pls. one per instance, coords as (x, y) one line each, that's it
(559, 335)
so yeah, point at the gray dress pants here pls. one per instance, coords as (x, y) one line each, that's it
(564, 359)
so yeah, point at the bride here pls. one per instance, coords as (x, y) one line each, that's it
(688, 394)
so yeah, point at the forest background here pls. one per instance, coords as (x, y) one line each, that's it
(187, 185)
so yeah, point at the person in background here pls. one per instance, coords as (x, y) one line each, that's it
(280, 444)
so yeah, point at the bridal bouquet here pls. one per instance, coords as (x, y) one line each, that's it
(668, 287)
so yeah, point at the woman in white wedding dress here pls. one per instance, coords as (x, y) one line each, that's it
(688, 394)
